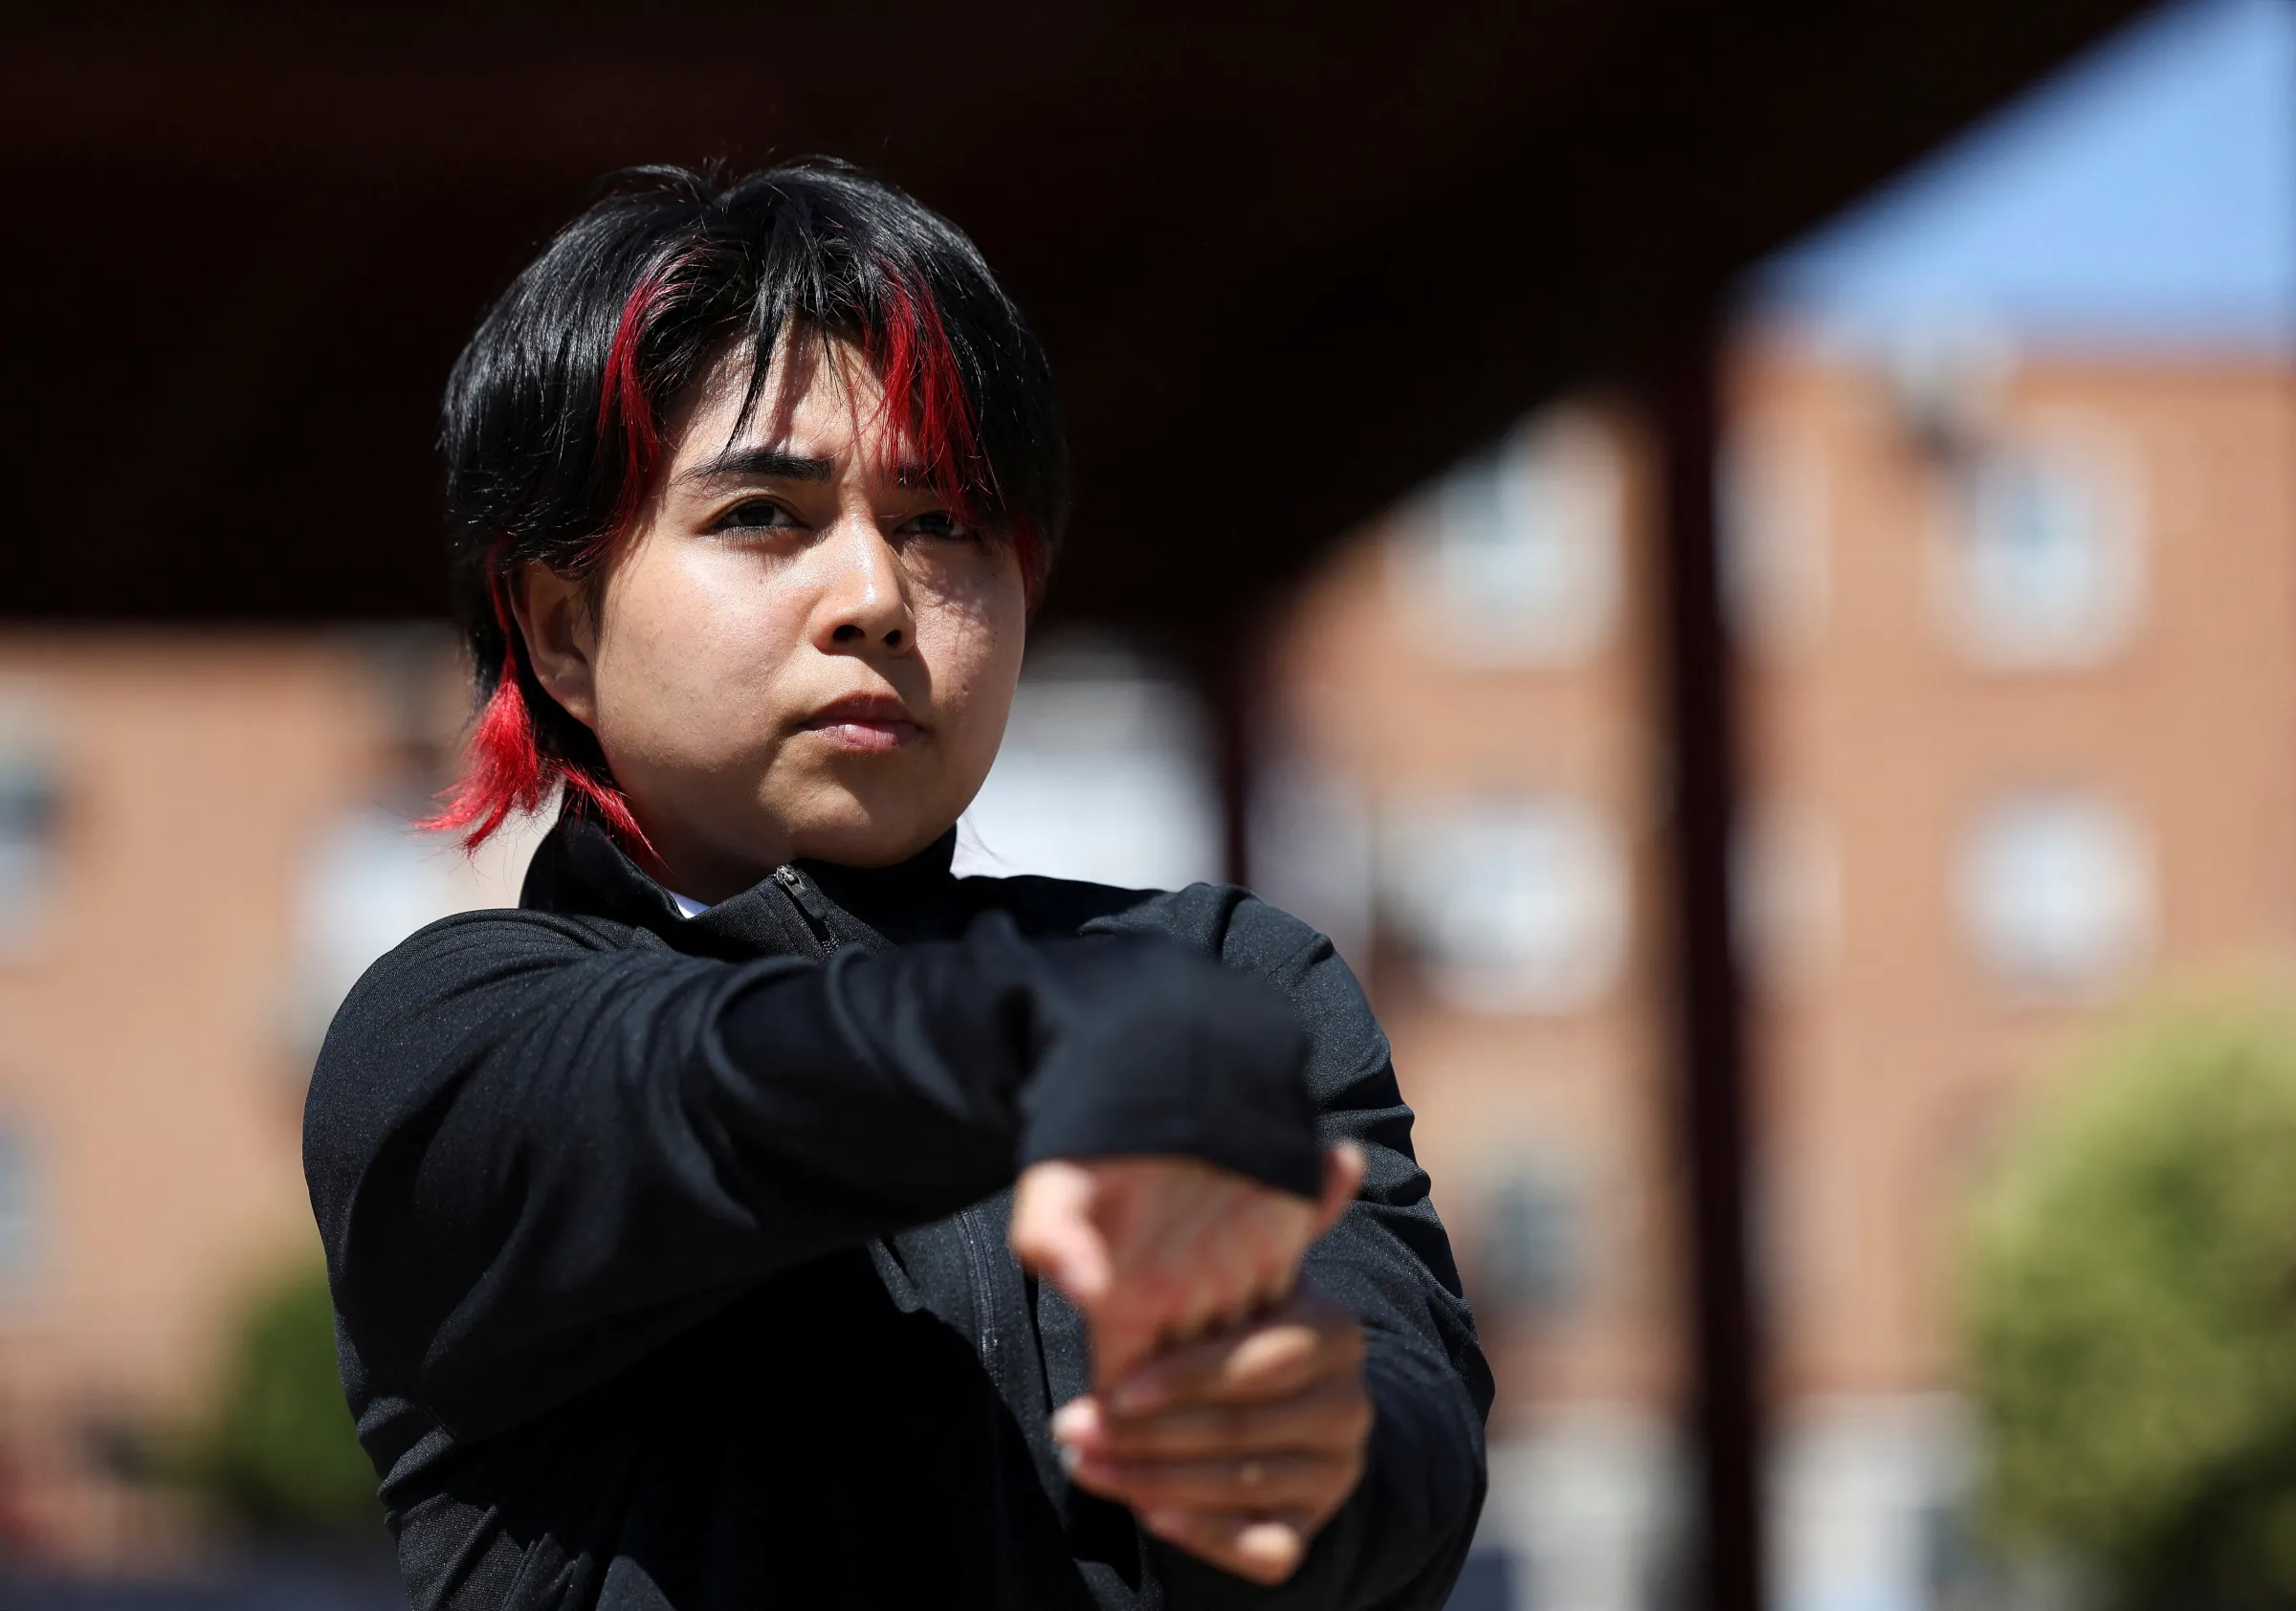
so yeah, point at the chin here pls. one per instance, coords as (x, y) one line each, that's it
(864, 838)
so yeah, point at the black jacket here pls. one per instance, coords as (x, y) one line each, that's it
(669, 1254)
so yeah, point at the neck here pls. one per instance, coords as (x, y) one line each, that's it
(708, 874)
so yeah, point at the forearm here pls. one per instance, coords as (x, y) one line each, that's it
(529, 1175)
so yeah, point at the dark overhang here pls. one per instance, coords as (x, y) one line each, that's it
(1289, 262)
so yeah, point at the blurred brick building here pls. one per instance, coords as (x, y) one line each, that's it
(202, 841)
(2019, 643)
(2008, 500)
(2016, 624)
(2019, 637)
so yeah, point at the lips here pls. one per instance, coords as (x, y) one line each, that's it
(864, 721)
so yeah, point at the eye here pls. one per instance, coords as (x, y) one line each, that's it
(755, 514)
(939, 523)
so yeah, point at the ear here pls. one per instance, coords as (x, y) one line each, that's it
(561, 639)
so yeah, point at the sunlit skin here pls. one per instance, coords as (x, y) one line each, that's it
(1234, 1438)
(800, 648)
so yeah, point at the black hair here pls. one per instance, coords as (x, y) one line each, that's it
(552, 422)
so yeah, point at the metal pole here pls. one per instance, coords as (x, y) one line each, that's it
(1708, 1021)
(1223, 676)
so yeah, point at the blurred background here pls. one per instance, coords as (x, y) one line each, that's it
(1742, 567)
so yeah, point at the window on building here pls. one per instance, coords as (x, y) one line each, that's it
(2056, 890)
(1528, 1257)
(370, 880)
(1514, 905)
(1105, 774)
(1312, 849)
(1771, 498)
(30, 811)
(19, 1219)
(1514, 559)
(1786, 895)
(2043, 560)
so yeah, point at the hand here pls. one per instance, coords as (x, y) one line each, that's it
(1158, 1249)
(1237, 1447)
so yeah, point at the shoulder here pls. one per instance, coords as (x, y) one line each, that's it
(407, 1024)
(474, 946)
(1350, 1068)
(441, 969)
(1223, 921)
(1233, 924)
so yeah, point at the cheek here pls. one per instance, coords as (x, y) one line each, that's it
(690, 645)
(972, 628)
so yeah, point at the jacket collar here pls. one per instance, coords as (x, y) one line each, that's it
(888, 894)
(802, 909)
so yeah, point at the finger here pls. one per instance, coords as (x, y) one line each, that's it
(1330, 1417)
(1285, 1227)
(1275, 1277)
(1271, 1357)
(1343, 1169)
(1054, 1233)
(1122, 1343)
(1270, 1482)
(1266, 1550)
(1069, 1254)
(1230, 1248)
(1219, 1296)
(1080, 1421)
(1176, 1308)
(1333, 1415)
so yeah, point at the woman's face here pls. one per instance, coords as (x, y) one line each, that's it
(800, 650)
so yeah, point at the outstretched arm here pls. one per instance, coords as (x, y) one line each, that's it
(537, 1155)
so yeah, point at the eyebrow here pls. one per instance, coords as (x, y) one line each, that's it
(760, 464)
(771, 464)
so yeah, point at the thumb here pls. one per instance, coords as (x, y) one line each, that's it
(1343, 1168)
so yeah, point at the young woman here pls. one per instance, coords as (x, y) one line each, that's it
(759, 1215)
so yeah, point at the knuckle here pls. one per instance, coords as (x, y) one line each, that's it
(1157, 1286)
(1141, 1480)
(1177, 1437)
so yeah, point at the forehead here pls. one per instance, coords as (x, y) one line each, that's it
(820, 395)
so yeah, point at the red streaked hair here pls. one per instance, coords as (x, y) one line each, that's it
(927, 413)
(504, 770)
(623, 400)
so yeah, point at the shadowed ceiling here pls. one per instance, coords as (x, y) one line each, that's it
(1289, 262)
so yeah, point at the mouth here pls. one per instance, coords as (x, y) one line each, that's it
(864, 722)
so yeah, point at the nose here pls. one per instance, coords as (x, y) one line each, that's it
(864, 605)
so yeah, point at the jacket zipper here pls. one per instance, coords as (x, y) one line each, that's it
(809, 904)
(815, 913)
(983, 1289)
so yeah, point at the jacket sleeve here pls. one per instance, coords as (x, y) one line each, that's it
(535, 1152)
(1398, 1543)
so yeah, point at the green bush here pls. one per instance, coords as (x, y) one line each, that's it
(2129, 1309)
(279, 1453)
